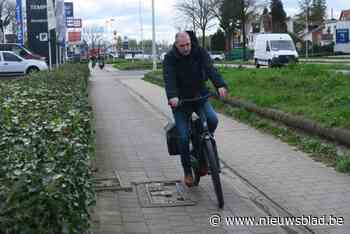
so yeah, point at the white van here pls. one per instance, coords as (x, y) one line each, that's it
(274, 49)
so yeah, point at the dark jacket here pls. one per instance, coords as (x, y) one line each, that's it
(185, 76)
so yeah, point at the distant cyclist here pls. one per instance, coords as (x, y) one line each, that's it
(186, 68)
(101, 62)
(93, 61)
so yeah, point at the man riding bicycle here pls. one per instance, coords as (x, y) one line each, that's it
(186, 68)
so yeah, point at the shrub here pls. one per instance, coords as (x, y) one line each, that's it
(45, 148)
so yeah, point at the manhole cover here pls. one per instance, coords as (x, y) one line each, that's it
(163, 194)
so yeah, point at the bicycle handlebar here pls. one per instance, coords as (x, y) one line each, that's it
(196, 99)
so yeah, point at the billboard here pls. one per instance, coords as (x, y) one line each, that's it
(342, 36)
(37, 27)
(68, 9)
(74, 36)
(19, 22)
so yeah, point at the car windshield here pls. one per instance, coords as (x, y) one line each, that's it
(282, 45)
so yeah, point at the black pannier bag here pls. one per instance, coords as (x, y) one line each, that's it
(172, 139)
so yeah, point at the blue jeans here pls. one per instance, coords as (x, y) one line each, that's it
(182, 115)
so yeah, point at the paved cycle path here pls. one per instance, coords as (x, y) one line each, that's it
(261, 177)
(130, 140)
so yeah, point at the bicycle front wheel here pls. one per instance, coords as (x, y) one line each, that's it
(214, 170)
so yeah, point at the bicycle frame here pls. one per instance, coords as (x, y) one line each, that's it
(201, 136)
(205, 150)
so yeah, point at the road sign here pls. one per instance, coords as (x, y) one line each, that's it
(73, 23)
(19, 22)
(43, 36)
(68, 9)
(342, 36)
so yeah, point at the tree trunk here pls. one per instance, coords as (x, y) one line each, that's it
(2, 35)
(227, 44)
(228, 41)
(203, 37)
(244, 41)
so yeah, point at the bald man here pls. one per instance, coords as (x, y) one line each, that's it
(186, 68)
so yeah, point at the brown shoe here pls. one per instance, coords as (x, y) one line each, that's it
(188, 179)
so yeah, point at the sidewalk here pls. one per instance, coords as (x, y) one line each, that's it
(130, 139)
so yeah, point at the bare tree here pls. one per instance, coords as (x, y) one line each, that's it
(181, 23)
(92, 35)
(7, 16)
(198, 11)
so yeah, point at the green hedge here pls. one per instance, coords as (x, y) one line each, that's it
(124, 64)
(45, 149)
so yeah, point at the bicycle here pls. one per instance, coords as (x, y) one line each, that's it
(203, 147)
(101, 65)
(93, 62)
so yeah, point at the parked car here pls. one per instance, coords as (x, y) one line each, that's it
(274, 49)
(128, 56)
(12, 64)
(162, 56)
(113, 55)
(217, 56)
(143, 56)
(20, 50)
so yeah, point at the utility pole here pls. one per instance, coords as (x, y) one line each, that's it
(307, 31)
(153, 39)
(51, 24)
(141, 25)
(50, 55)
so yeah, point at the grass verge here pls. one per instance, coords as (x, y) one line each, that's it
(310, 91)
(317, 148)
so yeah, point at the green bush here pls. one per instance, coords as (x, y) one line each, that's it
(343, 164)
(124, 64)
(318, 50)
(45, 149)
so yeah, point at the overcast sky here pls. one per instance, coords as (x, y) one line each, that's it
(127, 18)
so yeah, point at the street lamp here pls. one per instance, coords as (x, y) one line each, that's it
(141, 26)
(153, 39)
(109, 26)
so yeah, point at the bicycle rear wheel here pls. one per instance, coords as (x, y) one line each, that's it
(214, 169)
(195, 170)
